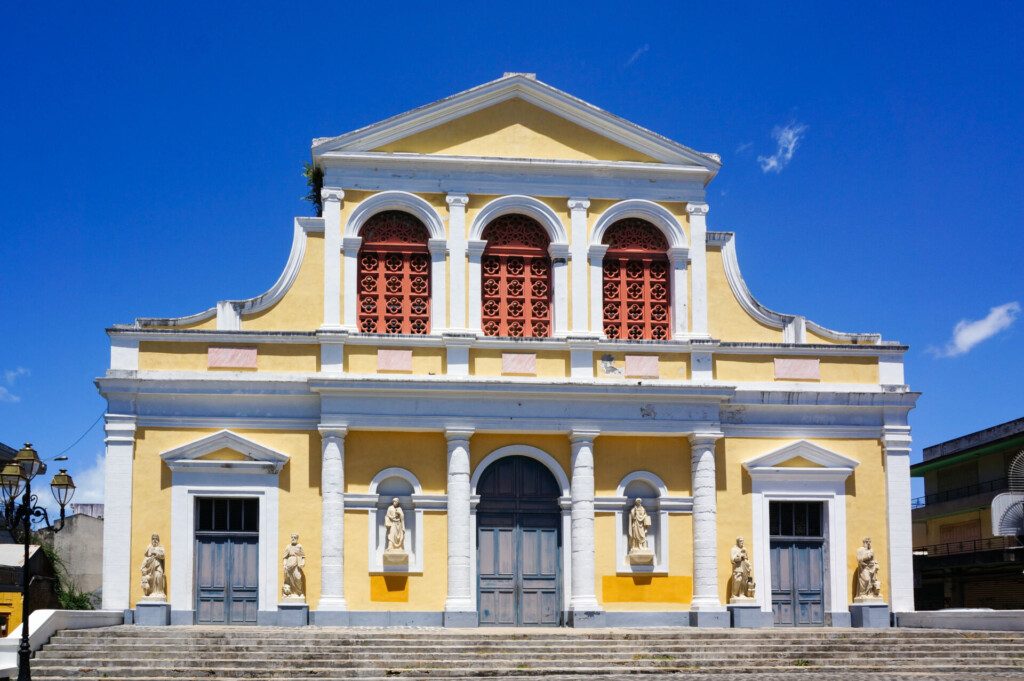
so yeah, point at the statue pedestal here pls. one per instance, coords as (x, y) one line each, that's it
(395, 557)
(641, 557)
(293, 612)
(153, 612)
(869, 613)
(746, 613)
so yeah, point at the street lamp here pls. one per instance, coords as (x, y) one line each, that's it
(16, 480)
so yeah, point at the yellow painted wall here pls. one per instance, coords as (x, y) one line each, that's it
(516, 129)
(298, 502)
(762, 368)
(367, 453)
(550, 364)
(174, 356)
(617, 457)
(644, 593)
(362, 359)
(671, 366)
(302, 307)
(865, 500)
(727, 320)
(10, 605)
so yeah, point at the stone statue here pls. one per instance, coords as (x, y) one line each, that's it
(395, 524)
(869, 588)
(742, 575)
(154, 583)
(294, 578)
(640, 552)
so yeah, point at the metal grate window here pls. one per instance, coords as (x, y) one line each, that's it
(795, 519)
(394, 275)
(636, 282)
(227, 515)
(516, 269)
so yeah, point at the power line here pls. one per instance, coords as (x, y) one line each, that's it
(80, 437)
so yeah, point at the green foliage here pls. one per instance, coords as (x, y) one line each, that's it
(315, 181)
(69, 596)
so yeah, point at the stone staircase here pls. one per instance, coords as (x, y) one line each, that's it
(164, 653)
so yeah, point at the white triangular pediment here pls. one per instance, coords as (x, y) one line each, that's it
(532, 91)
(825, 458)
(256, 457)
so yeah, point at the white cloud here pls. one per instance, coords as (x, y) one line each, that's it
(635, 57)
(89, 483)
(740, 148)
(967, 333)
(11, 377)
(787, 138)
(7, 396)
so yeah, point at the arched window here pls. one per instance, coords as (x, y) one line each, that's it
(516, 268)
(394, 275)
(636, 281)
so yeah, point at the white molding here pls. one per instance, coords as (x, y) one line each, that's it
(524, 205)
(124, 353)
(457, 258)
(697, 212)
(896, 442)
(262, 459)
(332, 198)
(395, 200)
(539, 455)
(645, 210)
(413, 505)
(350, 290)
(660, 535)
(807, 450)
(117, 502)
(438, 286)
(185, 489)
(595, 260)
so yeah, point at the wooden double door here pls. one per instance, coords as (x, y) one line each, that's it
(227, 561)
(519, 543)
(798, 563)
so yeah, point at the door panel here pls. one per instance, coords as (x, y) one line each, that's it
(497, 592)
(227, 560)
(798, 587)
(211, 581)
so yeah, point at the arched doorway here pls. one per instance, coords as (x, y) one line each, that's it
(518, 544)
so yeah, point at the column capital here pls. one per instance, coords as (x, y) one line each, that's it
(678, 255)
(338, 431)
(559, 251)
(351, 244)
(705, 438)
(332, 194)
(458, 433)
(437, 247)
(475, 247)
(455, 199)
(577, 203)
(597, 251)
(583, 435)
(697, 208)
(896, 440)
(120, 429)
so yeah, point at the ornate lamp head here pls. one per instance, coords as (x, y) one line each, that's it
(29, 462)
(63, 488)
(11, 481)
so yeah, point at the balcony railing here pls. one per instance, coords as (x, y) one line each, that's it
(997, 485)
(968, 546)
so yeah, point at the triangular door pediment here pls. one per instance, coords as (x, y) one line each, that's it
(225, 451)
(801, 455)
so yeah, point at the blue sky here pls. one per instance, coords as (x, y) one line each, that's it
(150, 158)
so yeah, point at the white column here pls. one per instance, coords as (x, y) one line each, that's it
(698, 262)
(582, 494)
(438, 289)
(896, 442)
(677, 258)
(457, 258)
(560, 282)
(705, 527)
(475, 250)
(596, 254)
(332, 198)
(460, 587)
(578, 240)
(332, 505)
(350, 247)
(117, 508)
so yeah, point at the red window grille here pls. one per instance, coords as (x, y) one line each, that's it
(636, 282)
(516, 278)
(394, 275)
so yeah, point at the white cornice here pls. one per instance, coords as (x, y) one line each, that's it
(260, 459)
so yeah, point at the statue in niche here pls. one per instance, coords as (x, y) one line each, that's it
(294, 579)
(869, 588)
(640, 552)
(742, 574)
(394, 523)
(154, 582)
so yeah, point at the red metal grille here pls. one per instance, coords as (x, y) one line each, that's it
(516, 272)
(394, 275)
(636, 282)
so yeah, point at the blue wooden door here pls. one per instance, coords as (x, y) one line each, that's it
(227, 561)
(518, 545)
(797, 564)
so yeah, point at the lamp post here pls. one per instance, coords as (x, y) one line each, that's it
(16, 480)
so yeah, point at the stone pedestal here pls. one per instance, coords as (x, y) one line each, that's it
(718, 619)
(292, 613)
(748, 615)
(641, 557)
(587, 619)
(153, 613)
(395, 557)
(869, 615)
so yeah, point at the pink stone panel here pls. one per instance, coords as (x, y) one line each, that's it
(642, 366)
(797, 369)
(231, 358)
(518, 363)
(394, 360)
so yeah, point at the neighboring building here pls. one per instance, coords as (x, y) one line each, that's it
(43, 588)
(512, 317)
(968, 525)
(80, 546)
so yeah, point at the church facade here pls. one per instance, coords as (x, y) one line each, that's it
(509, 377)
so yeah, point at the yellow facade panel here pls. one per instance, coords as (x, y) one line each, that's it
(302, 307)
(617, 457)
(727, 320)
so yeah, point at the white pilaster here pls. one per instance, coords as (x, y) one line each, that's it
(582, 540)
(578, 248)
(332, 545)
(350, 247)
(475, 250)
(896, 442)
(124, 353)
(560, 282)
(596, 256)
(438, 290)
(117, 505)
(331, 198)
(457, 351)
(677, 258)
(698, 262)
(460, 587)
(705, 527)
(457, 258)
